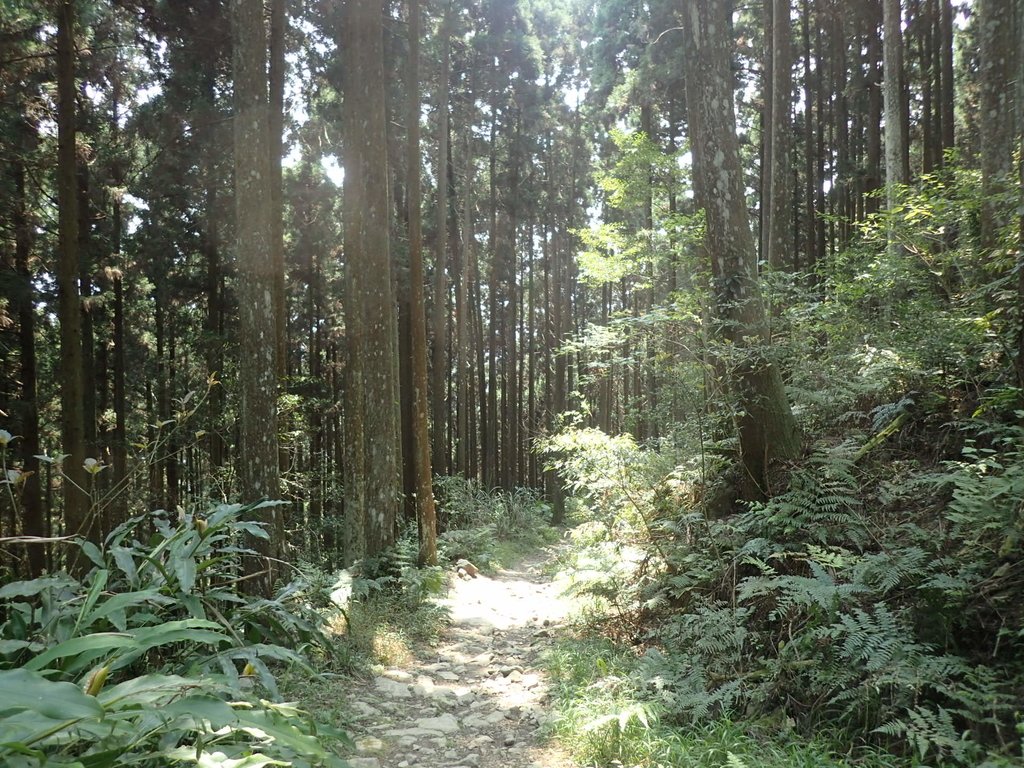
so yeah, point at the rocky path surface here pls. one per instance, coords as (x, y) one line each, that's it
(478, 698)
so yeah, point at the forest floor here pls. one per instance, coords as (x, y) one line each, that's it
(478, 697)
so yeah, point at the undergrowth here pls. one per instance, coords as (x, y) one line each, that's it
(867, 611)
(155, 658)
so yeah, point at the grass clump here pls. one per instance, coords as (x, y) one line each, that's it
(608, 713)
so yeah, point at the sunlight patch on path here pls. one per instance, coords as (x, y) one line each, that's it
(478, 699)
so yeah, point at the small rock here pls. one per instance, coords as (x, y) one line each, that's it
(363, 762)
(450, 677)
(445, 723)
(424, 686)
(510, 741)
(390, 687)
(483, 740)
(366, 744)
(365, 710)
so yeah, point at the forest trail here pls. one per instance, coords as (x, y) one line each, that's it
(477, 699)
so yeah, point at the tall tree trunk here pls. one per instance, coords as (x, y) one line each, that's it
(441, 451)
(767, 429)
(873, 140)
(276, 75)
(32, 522)
(76, 500)
(779, 175)
(258, 449)
(425, 515)
(947, 93)
(373, 477)
(892, 93)
(998, 120)
(463, 337)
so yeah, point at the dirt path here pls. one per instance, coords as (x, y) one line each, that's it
(477, 699)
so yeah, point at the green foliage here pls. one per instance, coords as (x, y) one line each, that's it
(808, 603)
(154, 656)
(477, 520)
(611, 709)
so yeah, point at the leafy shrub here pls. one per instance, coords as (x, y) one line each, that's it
(476, 519)
(809, 604)
(162, 622)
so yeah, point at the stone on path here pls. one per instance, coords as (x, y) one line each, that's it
(476, 697)
(391, 688)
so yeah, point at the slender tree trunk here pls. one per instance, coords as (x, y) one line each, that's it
(441, 451)
(947, 95)
(32, 522)
(425, 515)
(463, 372)
(873, 141)
(779, 176)
(76, 500)
(276, 75)
(811, 223)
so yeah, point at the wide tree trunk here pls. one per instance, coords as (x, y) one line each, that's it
(258, 449)
(896, 170)
(999, 118)
(373, 476)
(767, 429)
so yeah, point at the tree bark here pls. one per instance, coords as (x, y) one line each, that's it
(32, 522)
(779, 176)
(998, 120)
(896, 172)
(373, 477)
(426, 518)
(441, 450)
(767, 429)
(77, 519)
(258, 449)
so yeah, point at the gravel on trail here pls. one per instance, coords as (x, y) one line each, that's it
(476, 699)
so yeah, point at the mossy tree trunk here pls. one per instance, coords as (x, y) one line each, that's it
(764, 420)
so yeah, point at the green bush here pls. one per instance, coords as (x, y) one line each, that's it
(155, 657)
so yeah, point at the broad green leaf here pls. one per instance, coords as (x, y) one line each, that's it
(91, 551)
(281, 732)
(99, 582)
(217, 712)
(185, 570)
(22, 689)
(126, 562)
(118, 603)
(185, 631)
(151, 690)
(13, 646)
(35, 586)
(99, 641)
